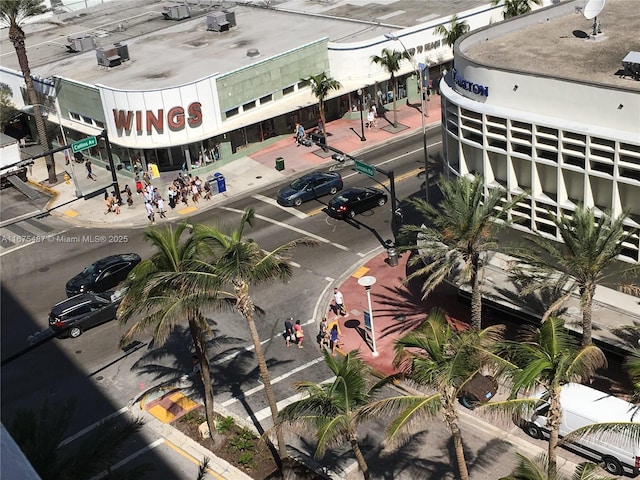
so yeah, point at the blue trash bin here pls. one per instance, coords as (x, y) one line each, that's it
(219, 178)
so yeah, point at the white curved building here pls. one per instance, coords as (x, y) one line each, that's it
(541, 105)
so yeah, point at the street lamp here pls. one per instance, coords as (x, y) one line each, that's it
(423, 112)
(360, 93)
(367, 282)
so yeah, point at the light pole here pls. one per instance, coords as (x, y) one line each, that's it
(367, 282)
(423, 112)
(360, 93)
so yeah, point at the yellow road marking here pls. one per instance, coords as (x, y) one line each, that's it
(192, 459)
(161, 413)
(71, 213)
(187, 210)
(361, 272)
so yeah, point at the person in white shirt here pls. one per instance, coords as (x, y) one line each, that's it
(338, 302)
(150, 213)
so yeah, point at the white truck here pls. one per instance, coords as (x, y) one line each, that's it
(10, 161)
(581, 406)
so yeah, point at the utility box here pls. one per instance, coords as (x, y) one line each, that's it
(217, 182)
(112, 55)
(80, 43)
(218, 22)
(176, 12)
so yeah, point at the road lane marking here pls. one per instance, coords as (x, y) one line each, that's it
(133, 456)
(290, 227)
(266, 412)
(86, 430)
(292, 210)
(274, 380)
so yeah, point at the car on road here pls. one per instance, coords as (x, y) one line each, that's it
(74, 315)
(309, 187)
(355, 200)
(478, 390)
(103, 275)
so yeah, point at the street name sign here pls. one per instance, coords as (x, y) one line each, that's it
(365, 168)
(84, 144)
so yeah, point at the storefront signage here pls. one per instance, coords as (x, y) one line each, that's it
(176, 119)
(469, 86)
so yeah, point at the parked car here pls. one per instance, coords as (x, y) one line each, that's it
(81, 312)
(310, 187)
(355, 200)
(479, 389)
(103, 275)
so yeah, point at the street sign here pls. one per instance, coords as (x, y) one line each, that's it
(365, 168)
(84, 144)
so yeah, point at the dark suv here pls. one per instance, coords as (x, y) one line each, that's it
(103, 275)
(79, 313)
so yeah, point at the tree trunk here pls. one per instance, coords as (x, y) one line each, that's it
(245, 307)
(451, 419)
(553, 423)
(17, 38)
(200, 346)
(323, 119)
(362, 463)
(587, 312)
(394, 86)
(476, 295)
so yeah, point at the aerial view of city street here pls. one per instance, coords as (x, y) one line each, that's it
(320, 239)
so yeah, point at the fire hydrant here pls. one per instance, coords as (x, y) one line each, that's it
(67, 178)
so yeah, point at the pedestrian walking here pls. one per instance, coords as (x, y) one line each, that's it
(323, 336)
(289, 333)
(115, 205)
(334, 339)
(129, 194)
(299, 333)
(161, 208)
(375, 115)
(139, 187)
(338, 303)
(107, 203)
(150, 213)
(207, 191)
(370, 118)
(89, 168)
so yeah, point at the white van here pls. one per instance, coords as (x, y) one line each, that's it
(581, 406)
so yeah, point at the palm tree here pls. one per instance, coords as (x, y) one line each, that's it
(321, 85)
(171, 287)
(12, 14)
(547, 357)
(464, 227)
(41, 437)
(585, 260)
(240, 263)
(331, 409)
(454, 32)
(536, 469)
(390, 61)
(513, 8)
(437, 356)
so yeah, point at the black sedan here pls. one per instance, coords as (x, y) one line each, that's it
(79, 313)
(309, 187)
(354, 201)
(104, 274)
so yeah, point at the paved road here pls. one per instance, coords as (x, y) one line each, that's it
(106, 378)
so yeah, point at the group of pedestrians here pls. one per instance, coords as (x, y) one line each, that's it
(187, 187)
(328, 338)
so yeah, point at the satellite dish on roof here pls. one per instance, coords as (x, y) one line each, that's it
(592, 8)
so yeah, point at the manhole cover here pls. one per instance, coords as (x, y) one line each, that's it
(259, 177)
(43, 269)
(99, 377)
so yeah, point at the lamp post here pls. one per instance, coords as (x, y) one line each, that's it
(360, 93)
(423, 112)
(367, 282)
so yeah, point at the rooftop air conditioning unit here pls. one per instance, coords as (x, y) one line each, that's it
(176, 12)
(218, 22)
(80, 43)
(112, 55)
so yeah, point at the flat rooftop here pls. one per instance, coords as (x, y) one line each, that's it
(167, 53)
(561, 46)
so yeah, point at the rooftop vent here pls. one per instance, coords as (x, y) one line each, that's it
(631, 64)
(112, 55)
(80, 43)
(176, 12)
(221, 21)
(253, 52)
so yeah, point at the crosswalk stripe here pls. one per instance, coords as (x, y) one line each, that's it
(292, 210)
(266, 412)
